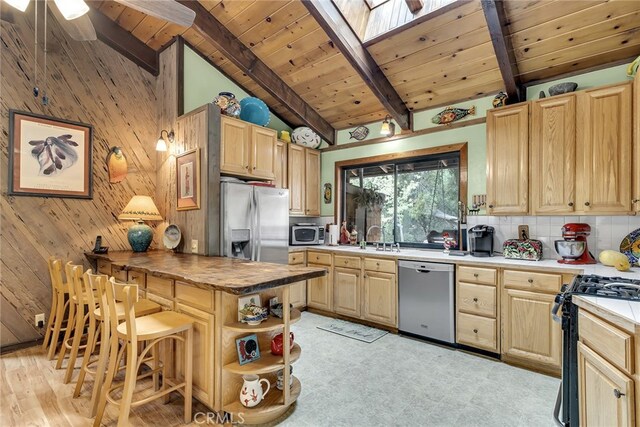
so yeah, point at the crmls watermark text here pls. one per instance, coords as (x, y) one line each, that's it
(214, 418)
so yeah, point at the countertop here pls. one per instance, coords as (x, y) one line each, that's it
(623, 313)
(495, 261)
(230, 275)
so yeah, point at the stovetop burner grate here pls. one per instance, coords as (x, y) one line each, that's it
(610, 287)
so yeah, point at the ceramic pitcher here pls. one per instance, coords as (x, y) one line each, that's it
(251, 392)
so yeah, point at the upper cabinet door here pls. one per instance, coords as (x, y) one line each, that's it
(636, 148)
(604, 150)
(281, 165)
(312, 197)
(234, 146)
(296, 179)
(508, 160)
(553, 155)
(263, 152)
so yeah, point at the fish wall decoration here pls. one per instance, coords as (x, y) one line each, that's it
(117, 165)
(451, 114)
(359, 133)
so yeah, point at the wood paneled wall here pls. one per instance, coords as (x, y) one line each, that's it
(91, 83)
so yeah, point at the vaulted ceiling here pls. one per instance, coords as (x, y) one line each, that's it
(445, 53)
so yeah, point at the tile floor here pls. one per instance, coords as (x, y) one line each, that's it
(404, 382)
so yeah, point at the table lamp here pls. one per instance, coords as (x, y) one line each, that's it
(139, 209)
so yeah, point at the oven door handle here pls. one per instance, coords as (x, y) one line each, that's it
(556, 307)
(556, 408)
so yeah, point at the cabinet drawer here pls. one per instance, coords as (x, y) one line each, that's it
(608, 341)
(346, 261)
(104, 267)
(165, 303)
(119, 273)
(477, 331)
(321, 258)
(137, 277)
(477, 299)
(486, 276)
(194, 296)
(381, 265)
(296, 258)
(160, 286)
(532, 281)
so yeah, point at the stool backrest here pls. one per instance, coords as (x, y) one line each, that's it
(55, 272)
(93, 293)
(127, 293)
(71, 272)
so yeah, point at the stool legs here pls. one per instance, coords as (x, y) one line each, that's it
(57, 325)
(92, 339)
(75, 343)
(52, 317)
(67, 334)
(108, 381)
(188, 375)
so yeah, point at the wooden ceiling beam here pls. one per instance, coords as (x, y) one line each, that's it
(123, 42)
(227, 43)
(333, 23)
(415, 5)
(497, 22)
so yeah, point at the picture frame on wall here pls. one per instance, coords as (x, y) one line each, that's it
(49, 157)
(248, 349)
(188, 180)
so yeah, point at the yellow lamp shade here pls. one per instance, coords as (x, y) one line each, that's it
(140, 208)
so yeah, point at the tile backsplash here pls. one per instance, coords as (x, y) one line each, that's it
(606, 231)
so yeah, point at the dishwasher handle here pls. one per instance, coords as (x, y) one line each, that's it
(426, 267)
(422, 271)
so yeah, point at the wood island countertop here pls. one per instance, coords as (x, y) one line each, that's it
(235, 276)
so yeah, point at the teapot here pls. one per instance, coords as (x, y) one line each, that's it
(251, 392)
(277, 346)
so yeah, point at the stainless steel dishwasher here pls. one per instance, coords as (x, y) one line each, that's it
(426, 305)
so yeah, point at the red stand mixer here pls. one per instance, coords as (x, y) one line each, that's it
(573, 249)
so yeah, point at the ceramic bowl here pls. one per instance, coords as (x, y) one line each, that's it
(280, 374)
(305, 136)
(561, 88)
(255, 111)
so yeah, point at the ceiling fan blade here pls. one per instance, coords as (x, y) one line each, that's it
(168, 10)
(80, 29)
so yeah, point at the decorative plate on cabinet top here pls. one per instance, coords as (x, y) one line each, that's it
(630, 246)
(305, 136)
(172, 237)
(254, 110)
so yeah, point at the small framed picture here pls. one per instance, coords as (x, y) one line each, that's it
(248, 349)
(49, 157)
(245, 301)
(188, 180)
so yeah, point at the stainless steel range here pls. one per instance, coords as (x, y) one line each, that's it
(587, 285)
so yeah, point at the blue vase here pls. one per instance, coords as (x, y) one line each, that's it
(140, 236)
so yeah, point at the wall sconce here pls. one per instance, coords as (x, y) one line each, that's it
(161, 145)
(388, 127)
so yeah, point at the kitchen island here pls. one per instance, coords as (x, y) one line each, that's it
(207, 289)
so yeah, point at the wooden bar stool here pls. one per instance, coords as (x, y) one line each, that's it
(98, 327)
(164, 326)
(78, 318)
(59, 303)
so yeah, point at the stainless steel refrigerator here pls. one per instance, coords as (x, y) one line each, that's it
(254, 222)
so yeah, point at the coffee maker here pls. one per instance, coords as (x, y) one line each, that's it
(481, 240)
(573, 248)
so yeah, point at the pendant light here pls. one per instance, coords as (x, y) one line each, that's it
(72, 9)
(388, 127)
(21, 5)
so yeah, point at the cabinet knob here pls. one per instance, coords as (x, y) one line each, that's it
(475, 331)
(254, 168)
(378, 264)
(365, 276)
(635, 201)
(587, 203)
(530, 280)
(246, 167)
(617, 393)
(475, 275)
(570, 203)
(490, 206)
(475, 300)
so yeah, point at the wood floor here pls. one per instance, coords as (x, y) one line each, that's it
(32, 394)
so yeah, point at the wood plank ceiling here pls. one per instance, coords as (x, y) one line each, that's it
(436, 58)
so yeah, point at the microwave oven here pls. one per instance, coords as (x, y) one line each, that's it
(306, 234)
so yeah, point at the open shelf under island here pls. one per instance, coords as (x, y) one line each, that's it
(207, 289)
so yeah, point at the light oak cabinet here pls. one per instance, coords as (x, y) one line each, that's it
(553, 155)
(529, 334)
(380, 295)
(298, 290)
(320, 289)
(604, 141)
(347, 286)
(606, 395)
(636, 144)
(281, 165)
(247, 150)
(303, 176)
(508, 160)
(203, 358)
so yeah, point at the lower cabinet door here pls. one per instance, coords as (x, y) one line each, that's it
(346, 291)
(529, 332)
(203, 327)
(320, 290)
(380, 298)
(298, 294)
(606, 394)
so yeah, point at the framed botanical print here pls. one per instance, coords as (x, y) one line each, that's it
(188, 180)
(49, 157)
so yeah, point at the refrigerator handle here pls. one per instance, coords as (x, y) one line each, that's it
(252, 237)
(258, 224)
